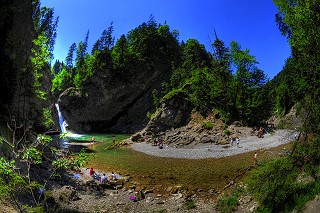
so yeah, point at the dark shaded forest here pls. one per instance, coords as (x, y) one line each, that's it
(226, 81)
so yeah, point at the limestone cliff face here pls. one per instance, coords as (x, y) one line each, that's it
(173, 113)
(112, 105)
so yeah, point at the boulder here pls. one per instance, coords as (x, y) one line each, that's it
(65, 195)
(174, 113)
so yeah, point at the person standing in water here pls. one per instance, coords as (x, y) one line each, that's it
(92, 140)
(255, 158)
(237, 141)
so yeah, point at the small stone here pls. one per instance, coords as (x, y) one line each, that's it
(252, 208)
(245, 200)
(160, 202)
(148, 191)
(118, 186)
(120, 203)
(149, 199)
(178, 196)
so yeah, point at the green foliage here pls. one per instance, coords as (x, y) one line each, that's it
(150, 115)
(81, 158)
(208, 125)
(32, 155)
(40, 61)
(48, 120)
(156, 99)
(306, 156)
(272, 183)
(195, 55)
(248, 78)
(228, 204)
(105, 42)
(44, 139)
(69, 58)
(279, 185)
(202, 95)
(189, 204)
(62, 80)
(61, 163)
(120, 53)
(29, 209)
(229, 201)
(10, 180)
(309, 193)
(173, 93)
(150, 47)
(223, 114)
(298, 20)
(84, 71)
(226, 132)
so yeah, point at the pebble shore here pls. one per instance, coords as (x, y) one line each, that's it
(201, 151)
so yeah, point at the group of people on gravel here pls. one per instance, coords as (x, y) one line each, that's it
(258, 131)
(235, 140)
(158, 142)
(102, 179)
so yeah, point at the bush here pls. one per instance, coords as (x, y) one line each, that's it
(273, 184)
(208, 125)
(226, 132)
(227, 204)
(150, 115)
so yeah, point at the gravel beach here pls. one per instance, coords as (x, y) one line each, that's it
(201, 151)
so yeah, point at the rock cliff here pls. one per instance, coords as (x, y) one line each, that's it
(111, 104)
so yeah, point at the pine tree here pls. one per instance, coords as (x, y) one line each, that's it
(69, 58)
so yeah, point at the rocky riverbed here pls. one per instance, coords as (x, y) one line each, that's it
(127, 196)
(89, 196)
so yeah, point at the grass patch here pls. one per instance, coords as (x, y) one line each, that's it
(229, 202)
(226, 132)
(310, 194)
(208, 125)
(189, 204)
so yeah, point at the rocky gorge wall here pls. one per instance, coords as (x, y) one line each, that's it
(112, 105)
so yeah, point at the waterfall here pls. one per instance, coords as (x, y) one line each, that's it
(63, 124)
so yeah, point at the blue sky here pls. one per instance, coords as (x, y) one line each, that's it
(251, 23)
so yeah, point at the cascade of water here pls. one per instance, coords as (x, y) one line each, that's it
(63, 124)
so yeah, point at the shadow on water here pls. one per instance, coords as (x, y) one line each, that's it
(70, 144)
(77, 148)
